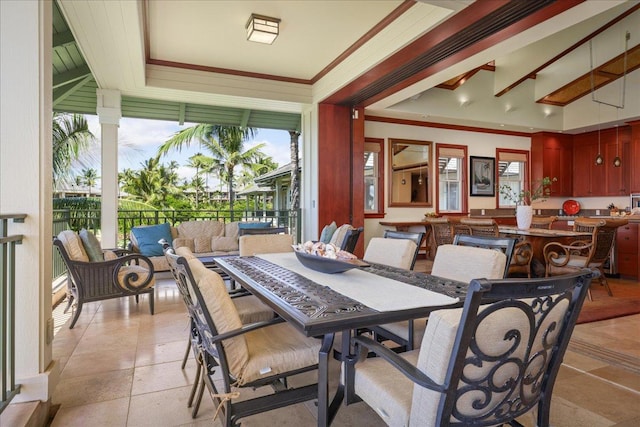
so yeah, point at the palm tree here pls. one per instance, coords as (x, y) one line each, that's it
(89, 178)
(71, 138)
(152, 184)
(224, 143)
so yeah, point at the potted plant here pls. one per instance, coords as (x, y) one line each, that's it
(523, 199)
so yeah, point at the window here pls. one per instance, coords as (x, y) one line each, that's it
(452, 162)
(513, 171)
(373, 178)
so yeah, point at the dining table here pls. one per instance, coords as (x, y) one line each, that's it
(539, 237)
(322, 305)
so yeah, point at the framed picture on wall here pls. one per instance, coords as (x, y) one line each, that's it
(483, 175)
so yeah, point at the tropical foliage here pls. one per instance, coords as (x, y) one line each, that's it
(225, 144)
(540, 191)
(71, 140)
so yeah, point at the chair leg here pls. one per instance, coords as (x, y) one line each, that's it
(76, 315)
(196, 381)
(152, 297)
(196, 406)
(186, 354)
(69, 303)
(605, 283)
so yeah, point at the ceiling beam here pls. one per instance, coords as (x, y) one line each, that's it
(71, 76)
(246, 114)
(62, 39)
(61, 94)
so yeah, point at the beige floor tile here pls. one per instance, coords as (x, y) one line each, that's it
(83, 364)
(581, 362)
(619, 376)
(167, 408)
(112, 413)
(161, 353)
(93, 388)
(163, 376)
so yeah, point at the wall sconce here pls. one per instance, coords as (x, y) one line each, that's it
(262, 29)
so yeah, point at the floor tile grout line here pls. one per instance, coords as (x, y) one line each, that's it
(589, 374)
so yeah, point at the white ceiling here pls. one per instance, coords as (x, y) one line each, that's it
(196, 51)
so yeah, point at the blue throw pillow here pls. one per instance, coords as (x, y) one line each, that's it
(327, 232)
(148, 236)
(245, 225)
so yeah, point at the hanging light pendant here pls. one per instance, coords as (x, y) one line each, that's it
(599, 159)
(420, 177)
(616, 161)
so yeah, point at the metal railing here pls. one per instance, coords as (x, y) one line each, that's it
(8, 309)
(66, 219)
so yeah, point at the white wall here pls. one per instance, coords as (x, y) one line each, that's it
(478, 144)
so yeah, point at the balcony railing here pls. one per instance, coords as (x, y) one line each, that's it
(8, 309)
(66, 219)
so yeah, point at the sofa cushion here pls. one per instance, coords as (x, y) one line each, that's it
(180, 242)
(147, 238)
(338, 236)
(327, 232)
(91, 245)
(231, 229)
(73, 245)
(253, 224)
(224, 243)
(206, 228)
(202, 244)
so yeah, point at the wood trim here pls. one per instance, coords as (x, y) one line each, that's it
(395, 14)
(569, 49)
(527, 172)
(381, 178)
(420, 123)
(208, 69)
(464, 177)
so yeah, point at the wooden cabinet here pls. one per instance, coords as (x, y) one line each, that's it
(634, 162)
(617, 178)
(588, 178)
(627, 243)
(552, 156)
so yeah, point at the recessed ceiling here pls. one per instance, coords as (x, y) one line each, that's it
(190, 60)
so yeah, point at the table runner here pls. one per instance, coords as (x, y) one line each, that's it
(377, 292)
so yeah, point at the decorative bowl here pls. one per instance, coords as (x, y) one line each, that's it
(327, 265)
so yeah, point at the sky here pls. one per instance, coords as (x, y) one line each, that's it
(139, 140)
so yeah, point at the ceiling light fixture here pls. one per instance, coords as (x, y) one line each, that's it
(262, 29)
(599, 159)
(616, 161)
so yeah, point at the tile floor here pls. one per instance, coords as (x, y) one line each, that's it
(120, 366)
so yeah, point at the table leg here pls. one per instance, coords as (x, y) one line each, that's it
(324, 414)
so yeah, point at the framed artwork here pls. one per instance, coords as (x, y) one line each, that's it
(483, 175)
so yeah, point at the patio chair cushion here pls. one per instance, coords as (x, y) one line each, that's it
(73, 245)
(394, 252)
(186, 242)
(386, 392)
(224, 243)
(223, 313)
(270, 352)
(254, 224)
(327, 232)
(91, 245)
(147, 238)
(265, 244)
(464, 263)
(231, 229)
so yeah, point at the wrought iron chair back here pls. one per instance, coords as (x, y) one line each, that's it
(507, 344)
(351, 239)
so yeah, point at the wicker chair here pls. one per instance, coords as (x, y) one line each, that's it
(485, 364)
(563, 259)
(481, 226)
(521, 260)
(543, 221)
(120, 273)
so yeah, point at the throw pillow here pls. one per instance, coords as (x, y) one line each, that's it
(148, 236)
(327, 232)
(91, 245)
(224, 243)
(256, 224)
